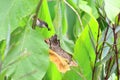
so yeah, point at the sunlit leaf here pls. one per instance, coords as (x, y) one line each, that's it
(57, 22)
(84, 52)
(73, 74)
(2, 49)
(64, 18)
(67, 45)
(51, 6)
(44, 15)
(12, 12)
(28, 55)
(106, 58)
(83, 5)
(3, 74)
(71, 16)
(112, 9)
(52, 71)
(60, 20)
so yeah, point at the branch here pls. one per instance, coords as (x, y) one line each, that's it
(75, 13)
(99, 52)
(105, 37)
(116, 51)
(96, 51)
(0, 66)
(36, 14)
(110, 63)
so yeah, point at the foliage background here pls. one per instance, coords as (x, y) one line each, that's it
(24, 54)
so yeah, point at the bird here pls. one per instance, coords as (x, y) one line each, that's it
(42, 24)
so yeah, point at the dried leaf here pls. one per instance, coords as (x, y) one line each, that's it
(61, 63)
(61, 58)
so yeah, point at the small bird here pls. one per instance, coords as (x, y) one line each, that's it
(42, 24)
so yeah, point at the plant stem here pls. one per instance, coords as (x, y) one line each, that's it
(116, 51)
(0, 66)
(99, 52)
(36, 14)
(110, 65)
(96, 51)
(105, 37)
(76, 12)
(108, 68)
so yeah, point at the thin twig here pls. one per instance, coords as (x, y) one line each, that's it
(75, 13)
(116, 51)
(36, 14)
(96, 51)
(108, 67)
(0, 66)
(104, 40)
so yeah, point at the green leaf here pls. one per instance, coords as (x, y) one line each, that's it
(67, 45)
(113, 77)
(73, 10)
(84, 52)
(92, 4)
(51, 5)
(60, 20)
(73, 74)
(118, 40)
(2, 49)
(71, 22)
(102, 23)
(106, 58)
(64, 18)
(28, 55)
(3, 74)
(97, 73)
(76, 29)
(112, 9)
(57, 20)
(44, 15)
(12, 12)
(83, 6)
(53, 73)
